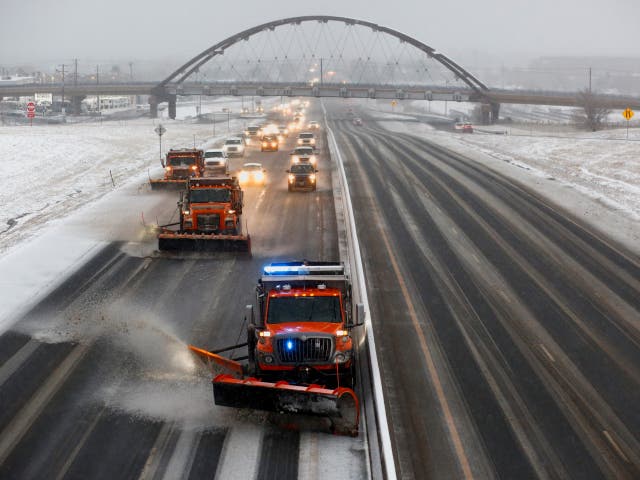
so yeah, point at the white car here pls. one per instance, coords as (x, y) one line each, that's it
(306, 138)
(302, 155)
(252, 174)
(215, 163)
(234, 147)
(313, 125)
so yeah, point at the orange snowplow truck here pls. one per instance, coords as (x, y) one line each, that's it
(210, 217)
(180, 165)
(300, 350)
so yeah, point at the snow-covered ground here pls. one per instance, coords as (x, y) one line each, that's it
(595, 175)
(49, 171)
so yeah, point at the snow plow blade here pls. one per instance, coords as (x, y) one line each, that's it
(204, 242)
(162, 184)
(340, 406)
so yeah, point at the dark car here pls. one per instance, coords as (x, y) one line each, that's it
(269, 143)
(302, 176)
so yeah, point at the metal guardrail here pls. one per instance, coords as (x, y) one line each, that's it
(377, 427)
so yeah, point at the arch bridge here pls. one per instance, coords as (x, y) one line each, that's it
(323, 56)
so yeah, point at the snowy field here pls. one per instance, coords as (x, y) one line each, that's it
(51, 170)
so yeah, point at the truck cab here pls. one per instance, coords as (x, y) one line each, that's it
(212, 206)
(303, 330)
(183, 163)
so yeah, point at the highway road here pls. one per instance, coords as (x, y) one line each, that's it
(508, 332)
(117, 395)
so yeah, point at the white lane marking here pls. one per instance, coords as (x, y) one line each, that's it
(325, 456)
(615, 446)
(156, 453)
(546, 352)
(21, 423)
(241, 445)
(11, 365)
(388, 462)
(182, 456)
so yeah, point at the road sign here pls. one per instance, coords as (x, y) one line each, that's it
(627, 113)
(160, 130)
(31, 110)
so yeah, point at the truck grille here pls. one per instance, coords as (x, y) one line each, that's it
(208, 223)
(296, 350)
(180, 173)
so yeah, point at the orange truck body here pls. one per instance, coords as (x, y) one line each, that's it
(303, 333)
(180, 165)
(210, 216)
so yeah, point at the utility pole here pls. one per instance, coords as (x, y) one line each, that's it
(75, 72)
(131, 71)
(589, 80)
(63, 66)
(321, 71)
(98, 83)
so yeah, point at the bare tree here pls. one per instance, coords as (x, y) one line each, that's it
(594, 114)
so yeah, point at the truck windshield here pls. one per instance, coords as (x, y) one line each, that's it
(302, 168)
(304, 309)
(181, 161)
(214, 155)
(209, 195)
(232, 142)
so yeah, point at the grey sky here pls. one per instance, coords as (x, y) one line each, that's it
(50, 30)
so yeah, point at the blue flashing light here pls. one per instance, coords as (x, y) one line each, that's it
(289, 345)
(285, 269)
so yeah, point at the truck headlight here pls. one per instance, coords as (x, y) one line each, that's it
(291, 178)
(312, 177)
(268, 359)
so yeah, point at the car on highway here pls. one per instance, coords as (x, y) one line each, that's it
(313, 125)
(357, 122)
(467, 128)
(234, 147)
(252, 174)
(302, 176)
(302, 155)
(216, 163)
(252, 134)
(306, 138)
(269, 143)
(283, 130)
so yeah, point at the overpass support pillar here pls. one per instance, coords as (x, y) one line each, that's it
(76, 104)
(495, 112)
(172, 107)
(153, 106)
(490, 113)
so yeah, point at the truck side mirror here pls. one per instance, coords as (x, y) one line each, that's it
(361, 314)
(249, 314)
(287, 171)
